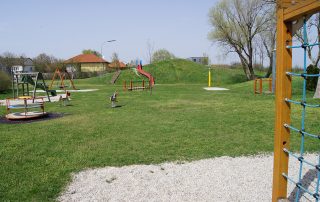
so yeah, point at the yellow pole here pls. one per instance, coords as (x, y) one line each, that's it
(209, 78)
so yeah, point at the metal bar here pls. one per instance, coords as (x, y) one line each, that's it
(300, 131)
(318, 180)
(26, 73)
(302, 75)
(304, 45)
(299, 158)
(297, 184)
(304, 97)
(45, 86)
(302, 103)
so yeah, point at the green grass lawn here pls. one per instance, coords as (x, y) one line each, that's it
(178, 122)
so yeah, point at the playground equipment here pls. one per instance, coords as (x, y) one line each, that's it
(65, 99)
(260, 81)
(287, 13)
(209, 78)
(24, 79)
(113, 99)
(134, 85)
(146, 74)
(62, 76)
(24, 103)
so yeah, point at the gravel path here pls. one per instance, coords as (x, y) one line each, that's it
(216, 179)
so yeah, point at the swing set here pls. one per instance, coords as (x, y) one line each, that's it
(62, 75)
(24, 79)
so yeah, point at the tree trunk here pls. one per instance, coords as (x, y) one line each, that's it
(269, 72)
(245, 68)
(251, 71)
(317, 93)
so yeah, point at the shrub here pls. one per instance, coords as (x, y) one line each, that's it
(5, 81)
(312, 81)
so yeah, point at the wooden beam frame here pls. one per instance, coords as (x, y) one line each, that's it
(286, 14)
(299, 10)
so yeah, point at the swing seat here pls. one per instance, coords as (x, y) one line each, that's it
(52, 92)
(62, 87)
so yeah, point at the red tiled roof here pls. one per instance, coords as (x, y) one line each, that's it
(114, 65)
(86, 58)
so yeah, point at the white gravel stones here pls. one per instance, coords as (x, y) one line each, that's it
(216, 179)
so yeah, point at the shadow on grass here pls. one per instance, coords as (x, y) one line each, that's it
(49, 116)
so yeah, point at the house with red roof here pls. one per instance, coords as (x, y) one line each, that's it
(117, 65)
(88, 63)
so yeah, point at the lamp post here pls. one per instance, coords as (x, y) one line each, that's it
(104, 44)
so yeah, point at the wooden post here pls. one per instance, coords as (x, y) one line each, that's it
(270, 84)
(283, 90)
(260, 86)
(131, 85)
(124, 86)
(53, 78)
(255, 86)
(143, 84)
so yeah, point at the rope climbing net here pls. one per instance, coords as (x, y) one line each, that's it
(314, 192)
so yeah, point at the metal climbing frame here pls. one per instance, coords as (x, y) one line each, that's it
(287, 13)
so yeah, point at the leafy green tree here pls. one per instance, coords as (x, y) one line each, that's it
(162, 54)
(312, 81)
(5, 81)
(90, 51)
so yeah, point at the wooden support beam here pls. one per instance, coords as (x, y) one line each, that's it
(301, 9)
(283, 109)
(286, 3)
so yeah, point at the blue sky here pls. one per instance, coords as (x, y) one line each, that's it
(63, 28)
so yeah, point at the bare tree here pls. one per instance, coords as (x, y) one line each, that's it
(115, 60)
(47, 63)
(313, 32)
(150, 51)
(267, 37)
(236, 24)
(313, 26)
(8, 60)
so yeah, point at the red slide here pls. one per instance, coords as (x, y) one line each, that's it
(146, 74)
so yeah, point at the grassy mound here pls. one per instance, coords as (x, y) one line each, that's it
(184, 71)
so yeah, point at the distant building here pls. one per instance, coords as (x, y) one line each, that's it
(200, 60)
(23, 65)
(117, 65)
(87, 63)
(2, 68)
